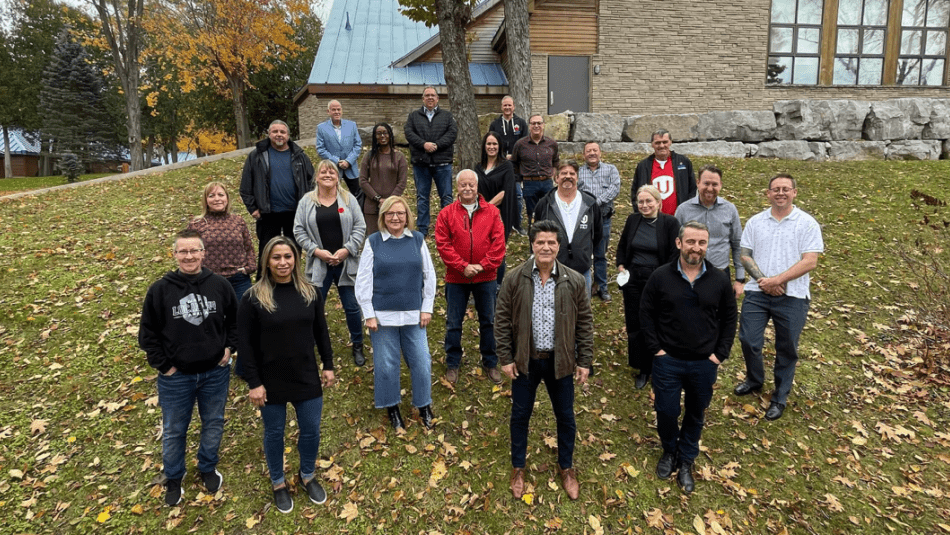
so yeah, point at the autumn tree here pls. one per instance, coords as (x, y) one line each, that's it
(226, 40)
(121, 28)
(452, 16)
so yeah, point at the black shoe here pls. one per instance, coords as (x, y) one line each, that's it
(282, 500)
(314, 489)
(642, 380)
(775, 411)
(604, 295)
(520, 231)
(212, 480)
(745, 388)
(684, 476)
(173, 492)
(358, 358)
(395, 417)
(425, 414)
(664, 468)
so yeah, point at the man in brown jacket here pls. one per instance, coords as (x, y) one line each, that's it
(544, 329)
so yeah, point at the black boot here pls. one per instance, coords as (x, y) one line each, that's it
(425, 414)
(395, 417)
(358, 358)
(684, 476)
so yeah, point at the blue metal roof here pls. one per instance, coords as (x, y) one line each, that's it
(362, 38)
(19, 144)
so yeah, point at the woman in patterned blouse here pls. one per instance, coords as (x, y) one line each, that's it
(228, 248)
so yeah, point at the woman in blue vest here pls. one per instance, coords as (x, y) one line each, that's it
(395, 287)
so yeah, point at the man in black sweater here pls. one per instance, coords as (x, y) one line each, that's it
(431, 132)
(688, 316)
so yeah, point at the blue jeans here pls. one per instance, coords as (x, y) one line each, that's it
(788, 315)
(177, 395)
(274, 416)
(520, 206)
(456, 302)
(241, 283)
(524, 389)
(600, 257)
(411, 341)
(533, 191)
(586, 275)
(672, 376)
(424, 175)
(354, 318)
(501, 273)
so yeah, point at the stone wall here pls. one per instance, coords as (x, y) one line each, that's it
(904, 129)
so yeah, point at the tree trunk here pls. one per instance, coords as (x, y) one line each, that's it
(173, 149)
(242, 130)
(149, 150)
(124, 34)
(7, 149)
(518, 38)
(453, 16)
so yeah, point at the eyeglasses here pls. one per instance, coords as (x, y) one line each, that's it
(395, 215)
(782, 190)
(186, 252)
(536, 123)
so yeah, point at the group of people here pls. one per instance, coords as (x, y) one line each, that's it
(535, 321)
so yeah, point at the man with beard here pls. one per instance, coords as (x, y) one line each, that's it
(688, 316)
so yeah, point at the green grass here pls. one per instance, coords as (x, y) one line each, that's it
(863, 447)
(11, 185)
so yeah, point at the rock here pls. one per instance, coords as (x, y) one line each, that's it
(792, 150)
(635, 148)
(820, 120)
(484, 121)
(913, 149)
(856, 150)
(681, 127)
(749, 126)
(723, 149)
(558, 127)
(897, 119)
(599, 127)
(566, 149)
(939, 125)
(366, 135)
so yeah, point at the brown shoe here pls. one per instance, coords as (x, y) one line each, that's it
(452, 375)
(569, 482)
(517, 482)
(494, 375)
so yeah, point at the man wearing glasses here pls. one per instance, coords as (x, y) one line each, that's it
(535, 158)
(779, 247)
(189, 332)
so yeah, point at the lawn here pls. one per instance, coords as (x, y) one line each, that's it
(18, 184)
(863, 447)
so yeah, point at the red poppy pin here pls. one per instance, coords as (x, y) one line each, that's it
(341, 210)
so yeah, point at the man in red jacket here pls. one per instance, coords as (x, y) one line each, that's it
(470, 238)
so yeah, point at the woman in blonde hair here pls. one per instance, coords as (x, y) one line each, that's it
(280, 323)
(229, 251)
(395, 287)
(330, 229)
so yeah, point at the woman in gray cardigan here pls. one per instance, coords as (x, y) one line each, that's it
(330, 229)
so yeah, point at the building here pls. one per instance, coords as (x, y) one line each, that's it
(640, 58)
(24, 154)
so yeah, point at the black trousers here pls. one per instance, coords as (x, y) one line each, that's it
(637, 355)
(271, 225)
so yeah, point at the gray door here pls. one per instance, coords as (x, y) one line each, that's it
(568, 83)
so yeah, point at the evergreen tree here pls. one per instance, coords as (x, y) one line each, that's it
(73, 103)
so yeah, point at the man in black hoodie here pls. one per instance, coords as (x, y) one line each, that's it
(188, 332)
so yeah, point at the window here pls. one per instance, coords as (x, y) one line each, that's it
(859, 51)
(858, 42)
(923, 51)
(794, 40)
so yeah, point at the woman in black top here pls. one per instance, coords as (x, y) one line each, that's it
(496, 183)
(648, 240)
(280, 322)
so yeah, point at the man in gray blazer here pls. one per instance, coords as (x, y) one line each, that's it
(338, 140)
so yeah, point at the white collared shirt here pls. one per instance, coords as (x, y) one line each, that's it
(569, 213)
(778, 245)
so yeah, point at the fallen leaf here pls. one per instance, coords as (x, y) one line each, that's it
(38, 427)
(438, 472)
(527, 498)
(349, 512)
(699, 525)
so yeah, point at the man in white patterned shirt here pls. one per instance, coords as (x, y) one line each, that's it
(602, 180)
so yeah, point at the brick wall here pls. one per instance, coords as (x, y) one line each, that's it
(369, 110)
(687, 56)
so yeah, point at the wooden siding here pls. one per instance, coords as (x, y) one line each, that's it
(564, 27)
(481, 33)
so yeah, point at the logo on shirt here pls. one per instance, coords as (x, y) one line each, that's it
(517, 129)
(584, 222)
(665, 185)
(194, 309)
